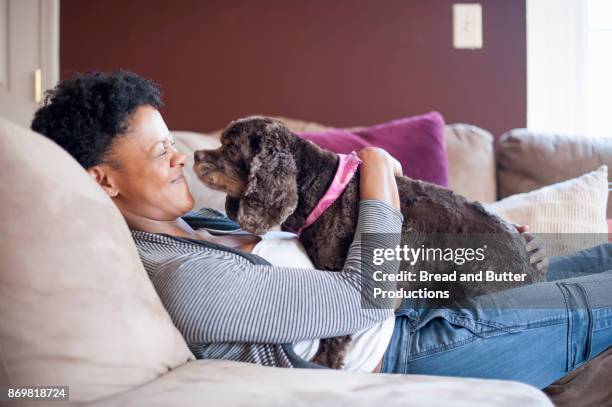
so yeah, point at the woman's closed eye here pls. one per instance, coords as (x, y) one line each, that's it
(166, 147)
(163, 153)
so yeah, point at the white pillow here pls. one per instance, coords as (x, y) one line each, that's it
(567, 216)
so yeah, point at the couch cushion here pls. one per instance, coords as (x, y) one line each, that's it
(471, 162)
(76, 305)
(527, 160)
(224, 383)
(417, 142)
(568, 216)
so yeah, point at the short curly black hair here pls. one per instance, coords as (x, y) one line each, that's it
(86, 113)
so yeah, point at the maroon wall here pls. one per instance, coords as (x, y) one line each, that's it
(340, 62)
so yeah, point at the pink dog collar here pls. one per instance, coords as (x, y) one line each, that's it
(347, 165)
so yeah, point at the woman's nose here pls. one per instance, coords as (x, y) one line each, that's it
(178, 158)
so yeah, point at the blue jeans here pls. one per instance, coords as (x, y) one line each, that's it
(534, 334)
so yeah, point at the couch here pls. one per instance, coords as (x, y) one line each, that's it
(486, 169)
(77, 308)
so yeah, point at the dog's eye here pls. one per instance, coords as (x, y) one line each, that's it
(232, 152)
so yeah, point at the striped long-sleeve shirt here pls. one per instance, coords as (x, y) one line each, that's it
(235, 306)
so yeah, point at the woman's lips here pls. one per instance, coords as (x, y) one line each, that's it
(178, 179)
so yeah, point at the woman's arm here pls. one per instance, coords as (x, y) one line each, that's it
(377, 176)
(216, 297)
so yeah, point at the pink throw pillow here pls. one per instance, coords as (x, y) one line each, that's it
(417, 142)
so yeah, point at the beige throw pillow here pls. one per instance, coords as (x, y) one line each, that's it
(567, 216)
(76, 305)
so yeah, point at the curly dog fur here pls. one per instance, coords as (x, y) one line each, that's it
(274, 177)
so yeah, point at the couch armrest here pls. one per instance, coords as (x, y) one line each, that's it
(528, 160)
(208, 382)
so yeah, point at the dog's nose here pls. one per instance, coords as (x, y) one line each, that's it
(199, 155)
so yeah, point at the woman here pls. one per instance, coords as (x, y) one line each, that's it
(231, 304)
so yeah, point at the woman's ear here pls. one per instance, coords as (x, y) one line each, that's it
(271, 192)
(102, 178)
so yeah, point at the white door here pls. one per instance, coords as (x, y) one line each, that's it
(29, 42)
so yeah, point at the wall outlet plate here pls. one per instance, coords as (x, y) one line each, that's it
(467, 25)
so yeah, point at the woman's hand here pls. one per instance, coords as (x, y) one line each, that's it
(377, 176)
(534, 247)
(368, 153)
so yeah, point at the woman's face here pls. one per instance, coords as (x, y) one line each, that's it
(147, 180)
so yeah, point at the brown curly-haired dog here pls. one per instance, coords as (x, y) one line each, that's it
(273, 177)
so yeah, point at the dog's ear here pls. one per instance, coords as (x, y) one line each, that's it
(271, 192)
